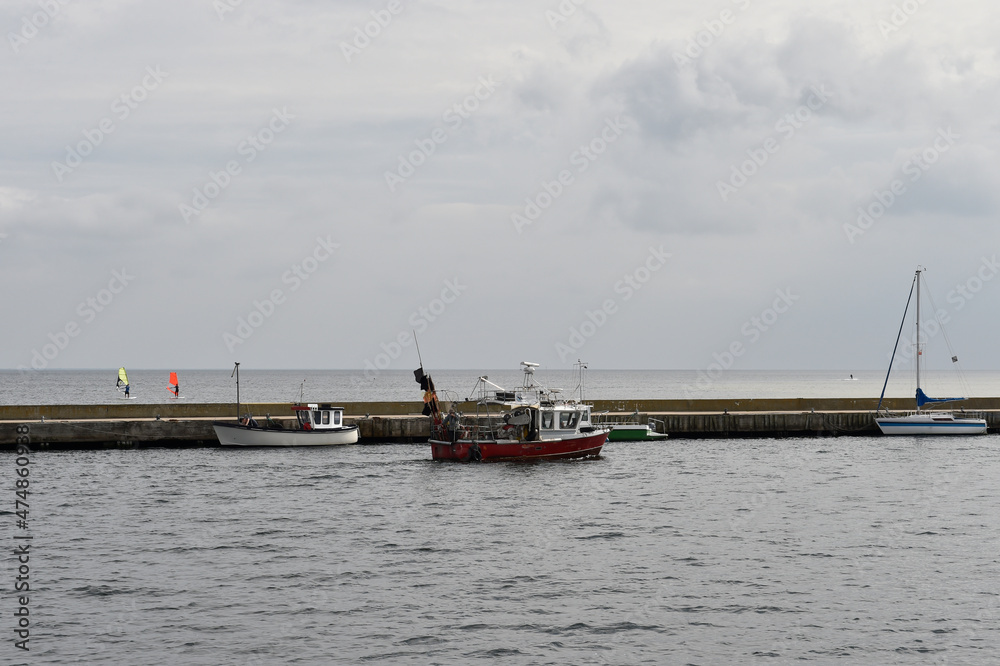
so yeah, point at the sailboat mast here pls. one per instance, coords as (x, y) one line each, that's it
(236, 371)
(919, 355)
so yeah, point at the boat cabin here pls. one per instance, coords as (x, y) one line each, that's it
(541, 412)
(563, 418)
(319, 416)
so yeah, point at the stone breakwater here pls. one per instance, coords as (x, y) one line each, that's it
(180, 425)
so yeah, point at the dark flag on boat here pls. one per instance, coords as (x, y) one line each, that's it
(954, 359)
(430, 395)
(422, 379)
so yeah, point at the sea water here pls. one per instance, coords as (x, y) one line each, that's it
(847, 550)
(150, 386)
(844, 550)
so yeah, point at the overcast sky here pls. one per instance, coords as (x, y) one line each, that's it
(652, 184)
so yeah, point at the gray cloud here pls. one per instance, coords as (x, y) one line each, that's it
(687, 128)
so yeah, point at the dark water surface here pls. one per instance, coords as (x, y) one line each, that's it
(848, 550)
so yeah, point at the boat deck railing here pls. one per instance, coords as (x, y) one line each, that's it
(468, 429)
(956, 413)
(608, 419)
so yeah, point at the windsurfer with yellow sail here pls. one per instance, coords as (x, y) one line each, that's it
(122, 383)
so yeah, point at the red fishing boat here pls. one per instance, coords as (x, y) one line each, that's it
(528, 423)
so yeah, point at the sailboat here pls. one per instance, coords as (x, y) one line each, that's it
(175, 385)
(924, 421)
(122, 384)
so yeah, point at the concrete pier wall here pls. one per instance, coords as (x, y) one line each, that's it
(80, 426)
(180, 432)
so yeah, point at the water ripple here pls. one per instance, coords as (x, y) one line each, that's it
(710, 552)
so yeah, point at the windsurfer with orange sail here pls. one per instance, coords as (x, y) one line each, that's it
(175, 385)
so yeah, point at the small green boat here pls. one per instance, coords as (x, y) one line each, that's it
(634, 432)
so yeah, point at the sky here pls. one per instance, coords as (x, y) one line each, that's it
(656, 185)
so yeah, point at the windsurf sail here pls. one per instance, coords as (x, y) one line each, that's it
(122, 378)
(175, 385)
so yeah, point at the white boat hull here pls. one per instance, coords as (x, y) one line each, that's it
(931, 424)
(231, 434)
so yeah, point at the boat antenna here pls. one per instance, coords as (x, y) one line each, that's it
(898, 335)
(236, 371)
(582, 366)
(417, 344)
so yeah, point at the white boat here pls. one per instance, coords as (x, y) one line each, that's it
(925, 421)
(317, 425)
(931, 423)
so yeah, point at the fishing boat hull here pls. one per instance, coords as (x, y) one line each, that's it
(931, 424)
(634, 433)
(467, 450)
(234, 434)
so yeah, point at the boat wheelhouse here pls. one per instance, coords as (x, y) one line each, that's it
(315, 416)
